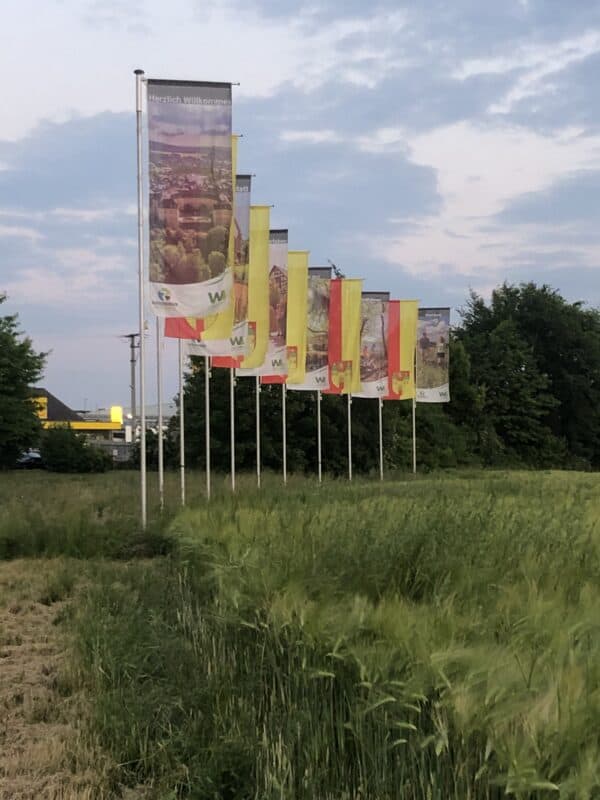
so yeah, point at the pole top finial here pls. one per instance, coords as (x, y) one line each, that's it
(138, 71)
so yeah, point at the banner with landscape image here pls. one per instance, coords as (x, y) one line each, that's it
(257, 335)
(316, 370)
(433, 380)
(296, 316)
(224, 334)
(274, 365)
(191, 197)
(374, 344)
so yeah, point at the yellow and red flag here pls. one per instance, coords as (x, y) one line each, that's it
(258, 291)
(344, 335)
(402, 342)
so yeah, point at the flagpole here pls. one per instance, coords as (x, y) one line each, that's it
(207, 421)
(258, 431)
(161, 460)
(349, 436)
(232, 424)
(284, 429)
(414, 436)
(141, 309)
(319, 459)
(380, 400)
(181, 424)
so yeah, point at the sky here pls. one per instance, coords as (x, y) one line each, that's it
(430, 148)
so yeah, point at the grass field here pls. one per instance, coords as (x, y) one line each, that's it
(434, 639)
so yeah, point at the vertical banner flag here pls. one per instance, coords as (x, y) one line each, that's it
(191, 197)
(274, 364)
(297, 316)
(239, 308)
(433, 381)
(257, 338)
(344, 335)
(211, 335)
(402, 342)
(316, 371)
(374, 344)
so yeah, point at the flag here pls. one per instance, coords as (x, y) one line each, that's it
(191, 197)
(374, 344)
(258, 290)
(272, 325)
(239, 308)
(433, 336)
(402, 338)
(316, 374)
(297, 315)
(344, 335)
(184, 327)
(213, 334)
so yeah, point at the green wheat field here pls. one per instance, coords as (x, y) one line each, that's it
(436, 638)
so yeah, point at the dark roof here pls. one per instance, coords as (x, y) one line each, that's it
(57, 411)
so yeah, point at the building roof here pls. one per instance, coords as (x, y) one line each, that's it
(57, 411)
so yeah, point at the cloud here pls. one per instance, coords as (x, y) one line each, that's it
(266, 53)
(535, 70)
(574, 198)
(20, 232)
(325, 136)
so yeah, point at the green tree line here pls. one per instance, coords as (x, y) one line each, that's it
(525, 391)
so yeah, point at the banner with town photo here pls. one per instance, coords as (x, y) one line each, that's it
(433, 335)
(297, 311)
(224, 335)
(374, 344)
(191, 197)
(274, 365)
(316, 374)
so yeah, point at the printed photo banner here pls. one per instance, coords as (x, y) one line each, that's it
(433, 381)
(257, 337)
(402, 342)
(191, 197)
(297, 316)
(274, 363)
(316, 371)
(344, 335)
(374, 344)
(239, 309)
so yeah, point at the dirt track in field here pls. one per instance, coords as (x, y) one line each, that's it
(41, 754)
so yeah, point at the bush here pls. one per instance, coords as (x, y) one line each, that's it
(63, 450)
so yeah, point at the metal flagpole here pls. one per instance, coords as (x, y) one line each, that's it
(414, 435)
(232, 424)
(207, 420)
(181, 425)
(140, 190)
(161, 462)
(380, 438)
(349, 436)
(319, 459)
(284, 429)
(258, 431)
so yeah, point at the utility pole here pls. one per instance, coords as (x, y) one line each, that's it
(133, 346)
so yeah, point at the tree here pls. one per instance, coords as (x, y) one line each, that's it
(216, 263)
(20, 368)
(63, 450)
(217, 240)
(560, 344)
